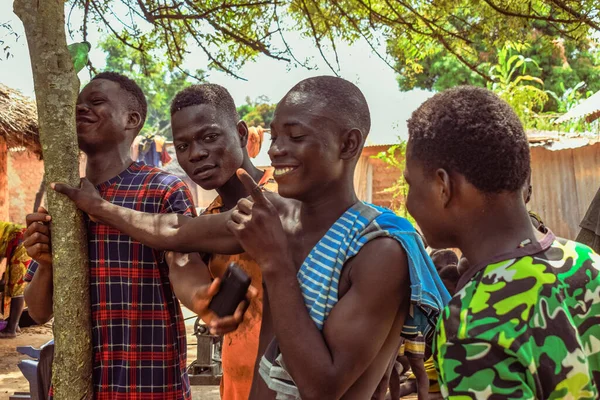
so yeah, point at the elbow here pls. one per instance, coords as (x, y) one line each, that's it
(166, 243)
(320, 389)
(39, 317)
(314, 394)
(35, 310)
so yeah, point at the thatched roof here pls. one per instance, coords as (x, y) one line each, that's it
(18, 120)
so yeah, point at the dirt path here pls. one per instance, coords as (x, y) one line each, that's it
(11, 379)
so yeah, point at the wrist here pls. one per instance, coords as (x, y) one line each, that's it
(99, 210)
(44, 267)
(278, 269)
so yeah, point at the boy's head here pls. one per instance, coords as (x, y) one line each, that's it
(318, 132)
(210, 140)
(467, 151)
(111, 111)
(450, 277)
(442, 258)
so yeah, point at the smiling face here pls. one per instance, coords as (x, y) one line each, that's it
(305, 148)
(208, 143)
(104, 119)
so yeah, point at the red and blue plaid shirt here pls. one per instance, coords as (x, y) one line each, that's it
(138, 332)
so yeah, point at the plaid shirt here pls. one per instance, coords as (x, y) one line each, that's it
(138, 332)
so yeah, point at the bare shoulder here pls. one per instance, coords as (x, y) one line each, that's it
(380, 261)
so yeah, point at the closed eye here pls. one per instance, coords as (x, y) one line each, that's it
(211, 137)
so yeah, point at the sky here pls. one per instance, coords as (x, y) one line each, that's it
(389, 107)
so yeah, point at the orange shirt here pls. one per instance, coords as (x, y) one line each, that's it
(240, 348)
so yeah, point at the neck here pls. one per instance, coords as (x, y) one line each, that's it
(330, 204)
(497, 230)
(103, 166)
(233, 190)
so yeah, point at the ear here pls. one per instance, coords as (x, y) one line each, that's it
(134, 121)
(242, 129)
(444, 184)
(351, 144)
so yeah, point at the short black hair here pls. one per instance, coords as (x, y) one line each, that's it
(138, 100)
(443, 257)
(471, 131)
(206, 93)
(341, 95)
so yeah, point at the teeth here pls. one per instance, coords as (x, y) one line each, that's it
(282, 171)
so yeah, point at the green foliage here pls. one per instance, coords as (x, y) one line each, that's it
(395, 157)
(234, 32)
(79, 54)
(258, 112)
(509, 79)
(558, 59)
(159, 82)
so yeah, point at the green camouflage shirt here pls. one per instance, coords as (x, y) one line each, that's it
(524, 326)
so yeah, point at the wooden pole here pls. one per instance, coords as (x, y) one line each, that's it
(56, 89)
(4, 207)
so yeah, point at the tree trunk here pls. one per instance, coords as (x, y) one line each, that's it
(56, 89)
(4, 213)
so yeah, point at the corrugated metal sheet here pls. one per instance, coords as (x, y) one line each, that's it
(565, 178)
(588, 108)
(564, 184)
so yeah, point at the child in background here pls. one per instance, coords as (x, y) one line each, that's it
(423, 377)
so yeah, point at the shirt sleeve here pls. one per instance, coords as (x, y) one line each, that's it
(178, 199)
(473, 368)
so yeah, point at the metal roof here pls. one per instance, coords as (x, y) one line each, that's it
(588, 108)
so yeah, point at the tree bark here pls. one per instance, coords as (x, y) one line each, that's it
(4, 212)
(56, 88)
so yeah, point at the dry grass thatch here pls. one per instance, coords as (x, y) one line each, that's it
(18, 121)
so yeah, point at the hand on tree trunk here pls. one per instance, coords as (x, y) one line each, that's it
(86, 197)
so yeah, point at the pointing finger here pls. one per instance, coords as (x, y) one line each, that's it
(251, 186)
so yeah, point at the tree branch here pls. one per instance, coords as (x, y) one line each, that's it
(316, 37)
(580, 17)
(285, 43)
(209, 55)
(509, 13)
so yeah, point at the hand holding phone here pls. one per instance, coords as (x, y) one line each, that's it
(234, 285)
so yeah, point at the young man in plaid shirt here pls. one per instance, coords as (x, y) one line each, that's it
(211, 142)
(138, 332)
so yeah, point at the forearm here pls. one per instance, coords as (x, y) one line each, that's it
(175, 232)
(38, 295)
(292, 321)
(186, 274)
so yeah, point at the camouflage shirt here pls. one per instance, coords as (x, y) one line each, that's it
(524, 325)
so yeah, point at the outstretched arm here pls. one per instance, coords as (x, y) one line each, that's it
(195, 288)
(206, 234)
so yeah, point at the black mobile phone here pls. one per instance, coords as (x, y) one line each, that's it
(234, 285)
